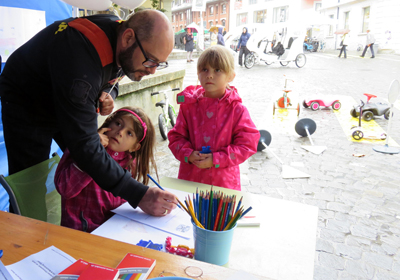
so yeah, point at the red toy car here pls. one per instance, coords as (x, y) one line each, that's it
(315, 103)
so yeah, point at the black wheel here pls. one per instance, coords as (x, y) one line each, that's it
(171, 115)
(336, 105)
(163, 126)
(284, 63)
(305, 104)
(268, 63)
(367, 116)
(314, 106)
(353, 113)
(358, 135)
(249, 60)
(300, 60)
(387, 114)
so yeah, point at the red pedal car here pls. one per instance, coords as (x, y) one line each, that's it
(315, 103)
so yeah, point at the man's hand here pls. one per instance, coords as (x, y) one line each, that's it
(103, 138)
(106, 104)
(157, 202)
(205, 161)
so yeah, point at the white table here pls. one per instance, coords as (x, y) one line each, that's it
(282, 247)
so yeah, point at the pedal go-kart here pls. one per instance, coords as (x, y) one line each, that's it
(284, 101)
(358, 133)
(316, 103)
(370, 109)
(278, 47)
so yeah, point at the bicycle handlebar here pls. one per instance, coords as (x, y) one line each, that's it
(166, 90)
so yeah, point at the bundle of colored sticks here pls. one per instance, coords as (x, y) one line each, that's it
(214, 210)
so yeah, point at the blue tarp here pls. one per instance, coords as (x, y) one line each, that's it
(54, 10)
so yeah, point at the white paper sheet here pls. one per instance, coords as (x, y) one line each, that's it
(4, 274)
(43, 265)
(178, 222)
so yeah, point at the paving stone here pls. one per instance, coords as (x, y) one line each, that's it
(342, 225)
(348, 252)
(324, 246)
(358, 241)
(378, 260)
(337, 206)
(331, 260)
(363, 231)
(333, 235)
(325, 273)
(360, 269)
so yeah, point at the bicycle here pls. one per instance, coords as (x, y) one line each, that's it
(168, 116)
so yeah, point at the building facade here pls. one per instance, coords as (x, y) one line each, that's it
(381, 17)
(217, 13)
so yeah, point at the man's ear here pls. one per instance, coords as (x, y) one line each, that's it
(135, 148)
(128, 38)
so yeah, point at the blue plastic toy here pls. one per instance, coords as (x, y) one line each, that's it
(150, 244)
(205, 150)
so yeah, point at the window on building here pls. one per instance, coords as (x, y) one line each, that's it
(216, 9)
(365, 25)
(281, 14)
(331, 26)
(317, 6)
(252, 2)
(210, 23)
(260, 16)
(223, 22)
(346, 20)
(241, 19)
(181, 16)
(211, 10)
(173, 17)
(223, 9)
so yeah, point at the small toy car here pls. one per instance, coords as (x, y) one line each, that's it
(315, 103)
(371, 109)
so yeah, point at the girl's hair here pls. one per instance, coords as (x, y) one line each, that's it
(139, 165)
(217, 57)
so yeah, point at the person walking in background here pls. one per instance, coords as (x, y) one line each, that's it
(370, 43)
(220, 37)
(242, 45)
(214, 37)
(129, 138)
(188, 41)
(213, 115)
(343, 43)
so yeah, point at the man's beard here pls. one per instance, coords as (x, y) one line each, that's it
(126, 61)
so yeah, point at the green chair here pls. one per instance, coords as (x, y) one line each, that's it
(32, 191)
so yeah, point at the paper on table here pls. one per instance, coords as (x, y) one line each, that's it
(4, 274)
(43, 265)
(177, 222)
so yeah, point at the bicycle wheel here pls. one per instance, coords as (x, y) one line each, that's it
(249, 60)
(171, 115)
(284, 63)
(163, 126)
(300, 60)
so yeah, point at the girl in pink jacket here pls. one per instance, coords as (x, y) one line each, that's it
(212, 116)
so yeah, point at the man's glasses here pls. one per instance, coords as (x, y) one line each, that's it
(149, 63)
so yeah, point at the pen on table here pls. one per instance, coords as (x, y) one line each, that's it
(158, 185)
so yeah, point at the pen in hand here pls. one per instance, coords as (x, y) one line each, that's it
(158, 185)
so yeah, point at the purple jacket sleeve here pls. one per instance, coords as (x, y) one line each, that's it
(245, 140)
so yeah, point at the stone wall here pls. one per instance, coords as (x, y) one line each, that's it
(137, 94)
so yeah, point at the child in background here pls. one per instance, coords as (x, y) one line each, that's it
(213, 115)
(129, 137)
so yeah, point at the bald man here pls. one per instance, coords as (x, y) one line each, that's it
(53, 86)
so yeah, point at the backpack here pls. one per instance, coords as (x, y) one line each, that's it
(278, 49)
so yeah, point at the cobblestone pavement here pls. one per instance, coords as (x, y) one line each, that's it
(358, 234)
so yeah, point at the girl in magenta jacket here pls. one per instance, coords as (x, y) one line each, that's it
(129, 138)
(212, 115)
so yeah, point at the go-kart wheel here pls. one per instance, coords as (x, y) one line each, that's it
(314, 106)
(284, 63)
(357, 135)
(249, 60)
(300, 60)
(353, 113)
(367, 116)
(281, 102)
(387, 114)
(265, 137)
(298, 109)
(336, 105)
(305, 104)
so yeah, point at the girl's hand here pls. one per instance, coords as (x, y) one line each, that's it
(194, 156)
(103, 137)
(205, 161)
(106, 103)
